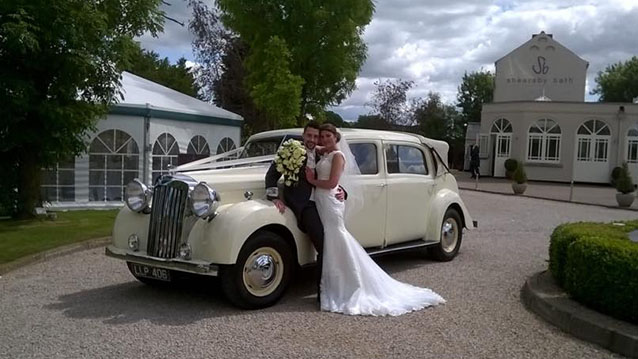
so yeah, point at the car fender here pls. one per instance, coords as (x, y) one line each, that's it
(442, 201)
(219, 240)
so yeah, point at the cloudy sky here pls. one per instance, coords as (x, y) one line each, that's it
(433, 42)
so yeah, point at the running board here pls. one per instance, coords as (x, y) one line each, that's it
(418, 243)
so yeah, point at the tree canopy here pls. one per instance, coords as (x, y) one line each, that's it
(476, 89)
(618, 82)
(60, 64)
(149, 65)
(390, 102)
(315, 47)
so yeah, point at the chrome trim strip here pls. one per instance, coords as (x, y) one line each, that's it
(197, 267)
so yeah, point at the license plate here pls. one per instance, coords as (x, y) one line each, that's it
(141, 270)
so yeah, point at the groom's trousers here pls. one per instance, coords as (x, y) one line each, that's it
(311, 223)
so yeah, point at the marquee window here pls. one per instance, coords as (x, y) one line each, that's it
(165, 153)
(543, 141)
(632, 146)
(113, 162)
(198, 146)
(225, 145)
(58, 182)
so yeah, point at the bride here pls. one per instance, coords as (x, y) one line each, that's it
(351, 282)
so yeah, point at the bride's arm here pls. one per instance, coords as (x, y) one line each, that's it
(338, 163)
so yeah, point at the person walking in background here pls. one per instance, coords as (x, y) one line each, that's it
(475, 161)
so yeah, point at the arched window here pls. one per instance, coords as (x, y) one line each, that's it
(593, 141)
(198, 146)
(543, 141)
(113, 162)
(632, 145)
(165, 153)
(58, 182)
(225, 145)
(501, 125)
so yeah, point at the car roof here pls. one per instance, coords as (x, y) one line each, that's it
(348, 133)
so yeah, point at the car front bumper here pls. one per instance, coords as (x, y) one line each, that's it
(189, 266)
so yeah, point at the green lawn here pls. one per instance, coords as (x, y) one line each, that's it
(21, 238)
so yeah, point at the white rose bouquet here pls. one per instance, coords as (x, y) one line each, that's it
(289, 159)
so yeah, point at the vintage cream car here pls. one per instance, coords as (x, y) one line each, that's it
(210, 217)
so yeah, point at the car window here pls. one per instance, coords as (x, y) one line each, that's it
(366, 156)
(405, 159)
(265, 146)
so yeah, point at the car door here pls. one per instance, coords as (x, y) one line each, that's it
(410, 185)
(367, 225)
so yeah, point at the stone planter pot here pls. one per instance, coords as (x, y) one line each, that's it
(519, 188)
(625, 199)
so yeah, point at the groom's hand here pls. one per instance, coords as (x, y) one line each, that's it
(280, 205)
(340, 195)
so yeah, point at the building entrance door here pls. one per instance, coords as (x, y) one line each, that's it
(592, 152)
(502, 146)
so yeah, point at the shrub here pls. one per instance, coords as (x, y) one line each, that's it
(615, 173)
(510, 166)
(603, 273)
(607, 262)
(519, 175)
(624, 184)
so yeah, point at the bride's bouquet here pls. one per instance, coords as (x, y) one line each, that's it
(289, 160)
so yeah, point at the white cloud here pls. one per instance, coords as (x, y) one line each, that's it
(433, 42)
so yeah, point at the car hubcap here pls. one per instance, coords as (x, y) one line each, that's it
(263, 271)
(449, 235)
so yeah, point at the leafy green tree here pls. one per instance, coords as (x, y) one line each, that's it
(60, 63)
(476, 89)
(618, 83)
(335, 119)
(315, 41)
(372, 122)
(149, 65)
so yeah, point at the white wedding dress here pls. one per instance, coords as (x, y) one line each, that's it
(351, 282)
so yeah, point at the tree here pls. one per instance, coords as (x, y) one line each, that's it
(373, 122)
(60, 65)
(319, 46)
(335, 119)
(178, 77)
(619, 82)
(441, 121)
(390, 102)
(476, 89)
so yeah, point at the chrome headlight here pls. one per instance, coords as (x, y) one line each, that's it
(137, 196)
(204, 200)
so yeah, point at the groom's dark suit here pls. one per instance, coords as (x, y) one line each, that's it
(297, 197)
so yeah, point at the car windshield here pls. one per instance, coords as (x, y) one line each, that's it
(265, 146)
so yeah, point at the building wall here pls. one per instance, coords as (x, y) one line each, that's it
(541, 66)
(569, 116)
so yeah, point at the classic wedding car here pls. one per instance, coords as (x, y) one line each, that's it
(210, 217)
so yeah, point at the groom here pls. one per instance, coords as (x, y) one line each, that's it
(300, 197)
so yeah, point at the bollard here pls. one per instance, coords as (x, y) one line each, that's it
(476, 182)
(571, 190)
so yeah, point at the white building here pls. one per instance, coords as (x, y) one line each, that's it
(151, 128)
(539, 117)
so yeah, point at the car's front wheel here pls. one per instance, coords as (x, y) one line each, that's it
(451, 236)
(261, 274)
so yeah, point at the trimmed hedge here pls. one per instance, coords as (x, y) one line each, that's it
(598, 266)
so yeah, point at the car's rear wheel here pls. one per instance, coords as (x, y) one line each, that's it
(451, 236)
(261, 274)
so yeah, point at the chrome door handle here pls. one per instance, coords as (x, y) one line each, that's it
(382, 185)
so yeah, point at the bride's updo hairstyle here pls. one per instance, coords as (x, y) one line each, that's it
(330, 128)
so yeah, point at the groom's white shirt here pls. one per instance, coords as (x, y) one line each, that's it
(311, 163)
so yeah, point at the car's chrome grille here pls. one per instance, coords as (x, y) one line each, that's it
(167, 219)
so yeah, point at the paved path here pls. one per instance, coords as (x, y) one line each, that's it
(604, 195)
(88, 306)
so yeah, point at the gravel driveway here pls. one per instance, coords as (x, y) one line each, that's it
(86, 305)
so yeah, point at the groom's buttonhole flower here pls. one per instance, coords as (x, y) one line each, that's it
(289, 160)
